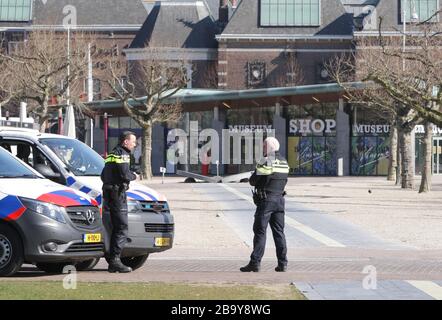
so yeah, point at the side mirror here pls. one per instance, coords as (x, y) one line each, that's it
(46, 171)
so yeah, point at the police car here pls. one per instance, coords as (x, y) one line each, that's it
(74, 164)
(44, 223)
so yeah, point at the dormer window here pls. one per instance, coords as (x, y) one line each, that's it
(290, 13)
(423, 9)
(15, 10)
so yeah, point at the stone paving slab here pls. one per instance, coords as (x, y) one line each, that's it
(329, 273)
(354, 290)
(238, 214)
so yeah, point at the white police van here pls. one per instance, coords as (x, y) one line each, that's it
(44, 223)
(72, 163)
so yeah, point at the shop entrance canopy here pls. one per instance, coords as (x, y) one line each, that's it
(205, 99)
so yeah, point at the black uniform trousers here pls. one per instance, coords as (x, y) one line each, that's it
(115, 204)
(270, 210)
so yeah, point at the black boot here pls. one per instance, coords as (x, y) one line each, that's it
(281, 268)
(250, 268)
(115, 265)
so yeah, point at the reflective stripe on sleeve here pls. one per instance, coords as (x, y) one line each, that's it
(276, 167)
(112, 158)
(264, 170)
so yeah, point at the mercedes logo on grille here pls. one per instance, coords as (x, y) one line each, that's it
(90, 217)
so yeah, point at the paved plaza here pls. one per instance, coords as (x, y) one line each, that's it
(340, 237)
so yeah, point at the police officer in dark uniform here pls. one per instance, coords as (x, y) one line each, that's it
(116, 177)
(269, 180)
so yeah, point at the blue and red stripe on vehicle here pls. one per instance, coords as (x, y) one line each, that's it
(66, 198)
(12, 208)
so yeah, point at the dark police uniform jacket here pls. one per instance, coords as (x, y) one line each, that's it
(271, 176)
(117, 168)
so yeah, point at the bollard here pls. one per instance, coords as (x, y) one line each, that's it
(340, 167)
(163, 171)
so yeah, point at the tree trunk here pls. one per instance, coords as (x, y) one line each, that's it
(407, 158)
(43, 116)
(428, 154)
(146, 151)
(398, 158)
(393, 161)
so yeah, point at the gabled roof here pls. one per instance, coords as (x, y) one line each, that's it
(178, 24)
(129, 14)
(245, 21)
(213, 6)
(389, 10)
(391, 14)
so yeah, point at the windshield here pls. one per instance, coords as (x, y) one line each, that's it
(78, 157)
(10, 167)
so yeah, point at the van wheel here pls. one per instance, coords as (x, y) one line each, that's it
(53, 268)
(11, 251)
(87, 264)
(134, 262)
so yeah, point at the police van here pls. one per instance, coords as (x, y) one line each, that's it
(44, 223)
(72, 163)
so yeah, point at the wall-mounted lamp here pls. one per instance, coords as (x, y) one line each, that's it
(226, 105)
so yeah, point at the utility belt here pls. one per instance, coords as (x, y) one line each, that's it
(116, 187)
(262, 194)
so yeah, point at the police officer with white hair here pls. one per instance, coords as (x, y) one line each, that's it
(269, 180)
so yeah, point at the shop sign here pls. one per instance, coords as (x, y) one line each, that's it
(371, 128)
(385, 129)
(250, 128)
(306, 126)
(421, 129)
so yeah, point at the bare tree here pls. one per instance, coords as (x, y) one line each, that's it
(428, 154)
(7, 89)
(401, 82)
(146, 97)
(38, 69)
(342, 69)
(416, 77)
(413, 78)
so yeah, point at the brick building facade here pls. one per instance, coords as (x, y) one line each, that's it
(245, 45)
(271, 44)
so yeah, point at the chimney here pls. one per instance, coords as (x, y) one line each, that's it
(223, 12)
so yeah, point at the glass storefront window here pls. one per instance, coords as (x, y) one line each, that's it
(113, 123)
(251, 116)
(124, 122)
(134, 124)
(311, 147)
(204, 118)
(113, 141)
(436, 149)
(312, 155)
(370, 142)
(119, 124)
(248, 119)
